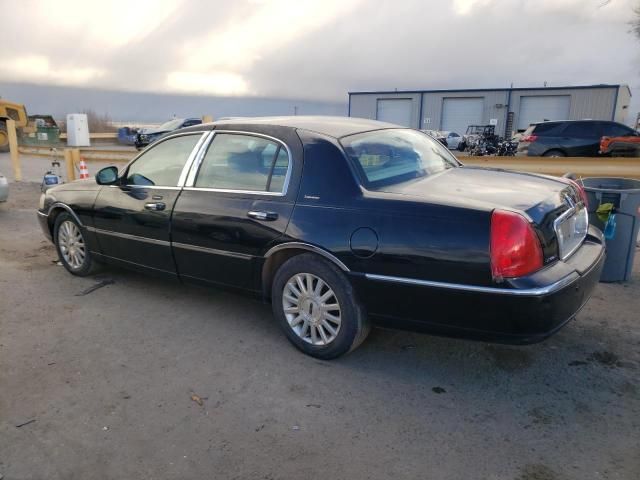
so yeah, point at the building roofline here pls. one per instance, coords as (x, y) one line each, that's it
(476, 90)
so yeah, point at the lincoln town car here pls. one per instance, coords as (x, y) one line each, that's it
(341, 224)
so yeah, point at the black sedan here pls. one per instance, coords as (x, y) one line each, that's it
(150, 135)
(340, 223)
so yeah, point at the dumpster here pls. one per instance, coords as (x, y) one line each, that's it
(614, 207)
(43, 136)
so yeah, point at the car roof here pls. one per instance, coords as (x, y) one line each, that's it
(336, 127)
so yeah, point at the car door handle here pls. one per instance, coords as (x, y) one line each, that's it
(266, 216)
(158, 206)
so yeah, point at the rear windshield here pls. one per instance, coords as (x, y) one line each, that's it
(387, 157)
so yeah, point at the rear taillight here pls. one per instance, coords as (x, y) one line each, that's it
(515, 248)
(529, 138)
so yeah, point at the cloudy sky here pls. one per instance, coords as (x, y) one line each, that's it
(317, 49)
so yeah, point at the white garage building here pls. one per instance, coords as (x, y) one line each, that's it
(510, 109)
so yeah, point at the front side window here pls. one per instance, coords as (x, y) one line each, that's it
(162, 164)
(244, 163)
(387, 157)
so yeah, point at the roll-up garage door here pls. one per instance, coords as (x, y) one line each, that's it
(395, 110)
(536, 109)
(459, 113)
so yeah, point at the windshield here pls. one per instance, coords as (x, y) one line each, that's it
(171, 124)
(387, 157)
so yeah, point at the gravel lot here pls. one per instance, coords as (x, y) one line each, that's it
(144, 378)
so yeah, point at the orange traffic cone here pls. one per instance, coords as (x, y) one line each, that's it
(84, 171)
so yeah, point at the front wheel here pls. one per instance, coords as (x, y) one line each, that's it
(71, 246)
(317, 308)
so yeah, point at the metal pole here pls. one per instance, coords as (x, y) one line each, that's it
(13, 149)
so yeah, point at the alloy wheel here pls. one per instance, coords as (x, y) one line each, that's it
(71, 244)
(312, 309)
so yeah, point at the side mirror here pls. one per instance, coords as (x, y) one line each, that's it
(107, 176)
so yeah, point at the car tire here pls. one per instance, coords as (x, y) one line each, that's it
(324, 320)
(4, 137)
(554, 153)
(71, 246)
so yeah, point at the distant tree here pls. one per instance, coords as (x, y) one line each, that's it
(635, 23)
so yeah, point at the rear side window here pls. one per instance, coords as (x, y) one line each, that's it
(582, 130)
(162, 164)
(244, 163)
(611, 129)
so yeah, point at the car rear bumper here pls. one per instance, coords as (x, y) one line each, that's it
(527, 310)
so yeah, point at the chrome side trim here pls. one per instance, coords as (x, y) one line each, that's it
(228, 190)
(213, 251)
(309, 247)
(55, 205)
(189, 184)
(523, 292)
(142, 187)
(128, 236)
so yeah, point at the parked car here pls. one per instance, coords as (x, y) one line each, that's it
(572, 138)
(628, 145)
(150, 135)
(453, 140)
(4, 188)
(340, 223)
(438, 135)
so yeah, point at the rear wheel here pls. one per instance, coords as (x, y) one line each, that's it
(554, 153)
(71, 246)
(4, 137)
(317, 308)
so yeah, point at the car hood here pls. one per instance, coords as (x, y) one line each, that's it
(77, 185)
(490, 188)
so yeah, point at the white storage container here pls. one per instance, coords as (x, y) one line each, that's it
(78, 130)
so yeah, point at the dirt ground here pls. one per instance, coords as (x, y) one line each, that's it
(144, 378)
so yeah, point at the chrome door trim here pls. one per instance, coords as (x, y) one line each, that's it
(522, 292)
(309, 247)
(196, 153)
(128, 236)
(214, 251)
(228, 190)
(189, 184)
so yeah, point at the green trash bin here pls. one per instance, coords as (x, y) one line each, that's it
(624, 194)
(43, 136)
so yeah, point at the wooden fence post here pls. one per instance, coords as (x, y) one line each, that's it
(68, 161)
(13, 149)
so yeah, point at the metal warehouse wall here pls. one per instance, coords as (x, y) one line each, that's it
(591, 103)
(365, 105)
(622, 105)
(432, 107)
